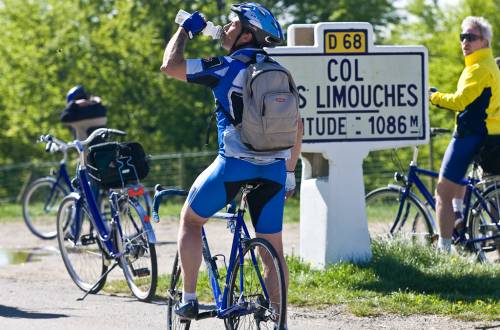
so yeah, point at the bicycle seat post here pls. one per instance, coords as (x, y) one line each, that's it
(415, 156)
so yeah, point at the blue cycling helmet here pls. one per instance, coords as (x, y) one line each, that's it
(76, 93)
(261, 22)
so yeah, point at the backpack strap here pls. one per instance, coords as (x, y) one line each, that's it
(243, 58)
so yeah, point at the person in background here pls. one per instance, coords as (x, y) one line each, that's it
(83, 113)
(476, 103)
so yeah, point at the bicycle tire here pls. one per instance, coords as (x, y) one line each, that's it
(40, 206)
(482, 225)
(382, 207)
(174, 295)
(269, 310)
(79, 245)
(138, 262)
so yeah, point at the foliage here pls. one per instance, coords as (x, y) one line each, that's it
(115, 47)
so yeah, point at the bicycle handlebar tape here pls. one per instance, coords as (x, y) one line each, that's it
(157, 200)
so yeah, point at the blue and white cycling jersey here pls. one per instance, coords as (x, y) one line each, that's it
(225, 76)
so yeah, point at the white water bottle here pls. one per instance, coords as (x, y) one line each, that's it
(212, 30)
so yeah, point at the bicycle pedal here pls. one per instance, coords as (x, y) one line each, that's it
(141, 272)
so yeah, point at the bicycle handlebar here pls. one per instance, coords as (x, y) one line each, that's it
(55, 145)
(439, 130)
(96, 133)
(159, 193)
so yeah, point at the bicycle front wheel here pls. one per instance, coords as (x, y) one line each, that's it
(257, 289)
(389, 215)
(484, 226)
(174, 296)
(79, 245)
(138, 262)
(41, 201)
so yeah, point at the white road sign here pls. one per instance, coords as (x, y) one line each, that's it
(351, 90)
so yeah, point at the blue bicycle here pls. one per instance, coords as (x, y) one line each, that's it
(254, 295)
(91, 244)
(42, 197)
(397, 211)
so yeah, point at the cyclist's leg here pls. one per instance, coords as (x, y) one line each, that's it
(446, 190)
(456, 160)
(207, 196)
(266, 205)
(271, 280)
(189, 245)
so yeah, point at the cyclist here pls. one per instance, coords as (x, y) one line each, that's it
(477, 106)
(251, 28)
(83, 113)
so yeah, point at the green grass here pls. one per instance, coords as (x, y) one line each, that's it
(10, 212)
(400, 279)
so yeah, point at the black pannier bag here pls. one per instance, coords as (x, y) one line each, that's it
(116, 164)
(489, 155)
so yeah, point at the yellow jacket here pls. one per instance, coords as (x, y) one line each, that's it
(477, 99)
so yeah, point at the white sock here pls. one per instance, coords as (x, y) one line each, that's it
(187, 296)
(444, 244)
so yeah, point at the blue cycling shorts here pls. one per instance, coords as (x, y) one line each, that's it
(221, 181)
(459, 156)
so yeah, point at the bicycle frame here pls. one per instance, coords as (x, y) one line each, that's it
(236, 222)
(87, 194)
(470, 191)
(240, 236)
(62, 175)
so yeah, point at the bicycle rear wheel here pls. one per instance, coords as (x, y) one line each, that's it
(174, 296)
(412, 223)
(41, 201)
(259, 293)
(138, 262)
(79, 245)
(485, 224)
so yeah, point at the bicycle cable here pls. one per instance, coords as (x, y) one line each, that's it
(396, 160)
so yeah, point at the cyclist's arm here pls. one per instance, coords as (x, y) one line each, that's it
(295, 152)
(471, 86)
(174, 63)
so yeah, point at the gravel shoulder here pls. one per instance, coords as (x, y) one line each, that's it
(39, 294)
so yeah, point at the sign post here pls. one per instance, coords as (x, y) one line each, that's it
(354, 97)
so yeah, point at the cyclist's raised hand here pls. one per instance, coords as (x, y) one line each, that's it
(432, 90)
(194, 24)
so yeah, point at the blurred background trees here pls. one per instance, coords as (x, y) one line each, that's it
(115, 48)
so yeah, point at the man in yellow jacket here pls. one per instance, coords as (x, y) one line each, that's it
(477, 106)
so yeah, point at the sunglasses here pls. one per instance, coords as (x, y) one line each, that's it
(469, 37)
